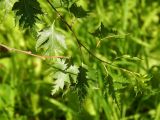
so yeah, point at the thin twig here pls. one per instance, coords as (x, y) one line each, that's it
(111, 36)
(30, 53)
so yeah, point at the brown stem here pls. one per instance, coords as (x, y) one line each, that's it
(30, 53)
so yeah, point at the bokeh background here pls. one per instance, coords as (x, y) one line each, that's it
(132, 41)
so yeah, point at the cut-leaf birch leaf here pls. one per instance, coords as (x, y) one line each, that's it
(51, 41)
(74, 72)
(60, 64)
(62, 75)
(27, 11)
(61, 78)
(78, 11)
(82, 83)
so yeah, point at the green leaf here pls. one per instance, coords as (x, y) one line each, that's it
(62, 75)
(60, 64)
(27, 11)
(61, 78)
(82, 83)
(74, 71)
(51, 41)
(102, 31)
(78, 12)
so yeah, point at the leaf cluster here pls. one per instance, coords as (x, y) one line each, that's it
(117, 79)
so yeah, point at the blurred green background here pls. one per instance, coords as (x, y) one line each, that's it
(132, 42)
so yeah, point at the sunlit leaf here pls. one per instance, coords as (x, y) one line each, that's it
(60, 64)
(61, 78)
(74, 72)
(61, 75)
(51, 41)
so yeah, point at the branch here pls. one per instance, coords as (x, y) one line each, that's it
(112, 36)
(30, 53)
(80, 44)
(78, 41)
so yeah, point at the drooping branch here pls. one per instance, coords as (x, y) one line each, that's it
(30, 53)
(81, 45)
(78, 41)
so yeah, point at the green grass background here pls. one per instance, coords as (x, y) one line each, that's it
(25, 82)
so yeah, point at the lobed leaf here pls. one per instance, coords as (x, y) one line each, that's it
(103, 31)
(62, 75)
(82, 83)
(51, 41)
(74, 70)
(27, 11)
(61, 78)
(78, 12)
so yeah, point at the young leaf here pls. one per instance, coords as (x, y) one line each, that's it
(61, 78)
(51, 41)
(74, 71)
(78, 12)
(62, 75)
(60, 64)
(27, 11)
